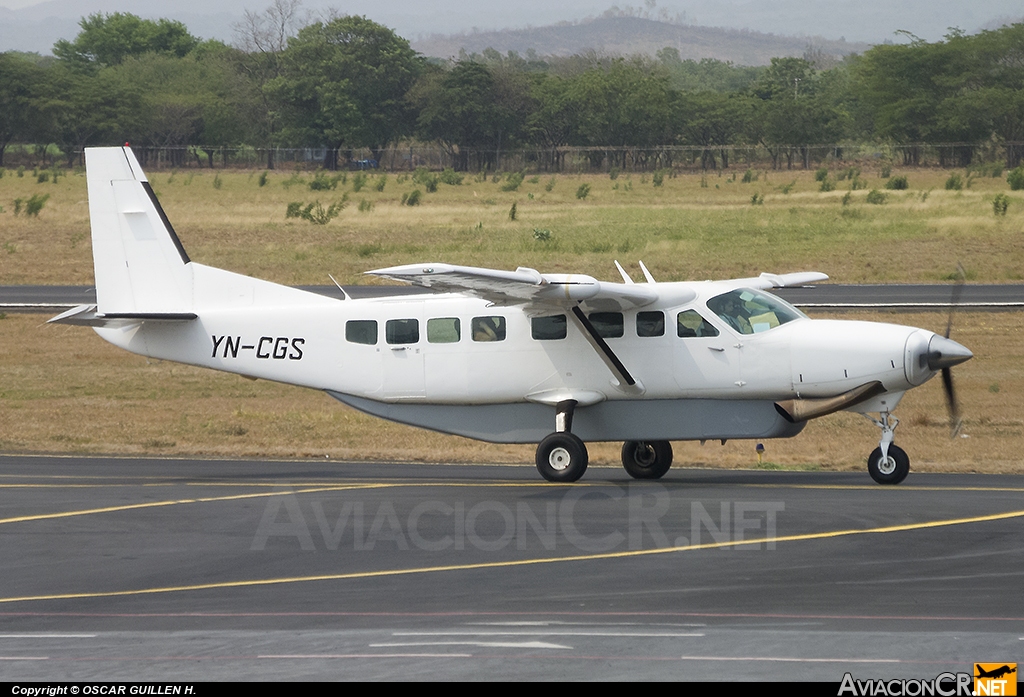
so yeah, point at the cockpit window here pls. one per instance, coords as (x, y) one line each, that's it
(751, 312)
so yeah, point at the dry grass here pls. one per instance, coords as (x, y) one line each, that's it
(681, 230)
(64, 390)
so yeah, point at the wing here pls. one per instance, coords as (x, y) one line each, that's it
(545, 292)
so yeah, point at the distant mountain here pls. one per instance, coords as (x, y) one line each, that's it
(632, 35)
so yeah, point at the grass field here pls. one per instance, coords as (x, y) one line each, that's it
(682, 230)
(62, 389)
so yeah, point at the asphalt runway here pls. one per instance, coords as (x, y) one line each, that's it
(40, 298)
(167, 570)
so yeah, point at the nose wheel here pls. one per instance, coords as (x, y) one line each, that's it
(890, 468)
(888, 464)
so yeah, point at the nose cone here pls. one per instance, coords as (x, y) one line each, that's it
(945, 353)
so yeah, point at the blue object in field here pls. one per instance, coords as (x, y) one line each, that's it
(364, 164)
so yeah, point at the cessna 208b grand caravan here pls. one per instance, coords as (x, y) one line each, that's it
(510, 356)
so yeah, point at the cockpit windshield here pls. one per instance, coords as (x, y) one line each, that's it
(750, 311)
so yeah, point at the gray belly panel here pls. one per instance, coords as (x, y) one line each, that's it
(657, 419)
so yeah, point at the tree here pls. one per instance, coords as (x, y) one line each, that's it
(458, 109)
(19, 81)
(261, 40)
(108, 39)
(344, 83)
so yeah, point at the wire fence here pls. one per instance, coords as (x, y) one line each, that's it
(560, 159)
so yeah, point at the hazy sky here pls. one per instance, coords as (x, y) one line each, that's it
(871, 21)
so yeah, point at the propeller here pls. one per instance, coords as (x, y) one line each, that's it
(956, 422)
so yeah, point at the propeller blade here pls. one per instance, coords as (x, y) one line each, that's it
(955, 421)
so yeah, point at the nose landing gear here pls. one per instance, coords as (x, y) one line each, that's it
(888, 463)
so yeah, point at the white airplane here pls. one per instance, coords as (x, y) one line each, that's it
(510, 356)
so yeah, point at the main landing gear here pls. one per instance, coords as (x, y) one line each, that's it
(888, 463)
(562, 456)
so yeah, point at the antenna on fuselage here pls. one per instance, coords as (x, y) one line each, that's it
(345, 295)
(625, 276)
(647, 274)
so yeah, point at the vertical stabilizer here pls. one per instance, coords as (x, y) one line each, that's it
(139, 262)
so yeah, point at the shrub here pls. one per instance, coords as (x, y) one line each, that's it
(877, 197)
(17, 205)
(658, 178)
(757, 199)
(821, 175)
(315, 212)
(827, 184)
(846, 198)
(513, 181)
(785, 188)
(365, 206)
(358, 181)
(897, 183)
(535, 179)
(382, 180)
(857, 183)
(955, 182)
(42, 177)
(613, 173)
(262, 181)
(1016, 178)
(412, 198)
(581, 193)
(748, 176)
(550, 185)
(451, 177)
(420, 175)
(217, 183)
(321, 182)
(1000, 203)
(886, 171)
(512, 211)
(21, 171)
(35, 204)
(430, 183)
(541, 235)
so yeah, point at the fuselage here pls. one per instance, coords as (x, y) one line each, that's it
(454, 349)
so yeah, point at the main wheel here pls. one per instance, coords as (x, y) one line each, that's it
(562, 457)
(646, 459)
(890, 470)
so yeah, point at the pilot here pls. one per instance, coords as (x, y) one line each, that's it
(735, 314)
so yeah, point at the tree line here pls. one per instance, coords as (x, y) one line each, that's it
(346, 83)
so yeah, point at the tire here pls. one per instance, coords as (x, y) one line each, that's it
(562, 457)
(647, 459)
(891, 471)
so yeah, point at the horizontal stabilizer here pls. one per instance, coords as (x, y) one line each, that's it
(86, 315)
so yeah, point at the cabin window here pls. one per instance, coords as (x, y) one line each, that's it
(650, 323)
(444, 330)
(402, 331)
(750, 312)
(548, 328)
(361, 331)
(488, 328)
(607, 324)
(690, 324)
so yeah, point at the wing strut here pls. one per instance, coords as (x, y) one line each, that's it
(602, 348)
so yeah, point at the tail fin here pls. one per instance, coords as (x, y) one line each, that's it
(140, 265)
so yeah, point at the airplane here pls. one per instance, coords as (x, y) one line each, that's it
(511, 356)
